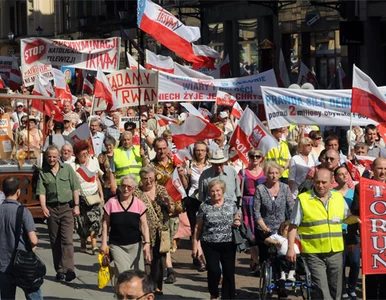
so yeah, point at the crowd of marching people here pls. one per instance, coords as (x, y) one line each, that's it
(114, 191)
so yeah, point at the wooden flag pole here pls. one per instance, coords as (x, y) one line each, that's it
(364, 286)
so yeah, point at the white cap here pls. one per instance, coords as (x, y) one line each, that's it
(294, 86)
(19, 104)
(308, 86)
(223, 115)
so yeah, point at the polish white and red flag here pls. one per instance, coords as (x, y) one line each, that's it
(102, 89)
(62, 90)
(367, 99)
(167, 29)
(14, 76)
(225, 67)
(88, 87)
(185, 71)
(81, 133)
(305, 75)
(365, 161)
(206, 57)
(181, 156)
(164, 120)
(42, 87)
(159, 62)
(344, 81)
(133, 64)
(382, 132)
(205, 113)
(237, 111)
(195, 128)
(2, 83)
(283, 77)
(86, 174)
(251, 133)
(225, 99)
(175, 187)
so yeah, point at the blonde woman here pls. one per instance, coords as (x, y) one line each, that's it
(300, 164)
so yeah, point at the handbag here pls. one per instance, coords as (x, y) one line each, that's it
(164, 246)
(104, 273)
(27, 269)
(93, 199)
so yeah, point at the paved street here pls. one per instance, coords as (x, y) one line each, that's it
(190, 283)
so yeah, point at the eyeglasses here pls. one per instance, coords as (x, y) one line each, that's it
(168, 107)
(255, 156)
(144, 120)
(318, 138)
(129, 297)
(307, 145)
(330, 158)
(129, 187)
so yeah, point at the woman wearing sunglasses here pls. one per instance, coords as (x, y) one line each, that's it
(251, 177)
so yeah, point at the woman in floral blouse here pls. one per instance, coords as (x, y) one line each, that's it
(159, 205)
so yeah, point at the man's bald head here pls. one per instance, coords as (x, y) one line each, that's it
(323, 179)
(379, 169)
(332, 159)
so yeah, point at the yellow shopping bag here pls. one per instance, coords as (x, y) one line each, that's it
(104, 274)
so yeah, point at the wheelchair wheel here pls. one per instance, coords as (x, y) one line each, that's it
(307, 285)
(265, 279)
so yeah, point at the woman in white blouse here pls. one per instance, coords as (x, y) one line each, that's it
(300, 165)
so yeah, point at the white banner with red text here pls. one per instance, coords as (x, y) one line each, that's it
(284, 107)
(83, 54)
(125, 84)
(181, 88)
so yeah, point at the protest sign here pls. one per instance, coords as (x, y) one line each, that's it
(284, 107)
(83, 54)
(125, 84)
(6, 140)
(5, 65)
(183, 88)
(372, 215)
(123, 120)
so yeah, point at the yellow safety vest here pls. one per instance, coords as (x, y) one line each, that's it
(321, 230)
(280, 155)
(124, 165)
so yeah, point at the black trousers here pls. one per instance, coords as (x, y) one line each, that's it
(157, 269)
(192, 205)
(375, 286)
(224, 253)
(260, 237)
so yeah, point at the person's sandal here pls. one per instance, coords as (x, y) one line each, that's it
(95, 251)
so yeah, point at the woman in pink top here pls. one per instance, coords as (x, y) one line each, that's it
(125, 219)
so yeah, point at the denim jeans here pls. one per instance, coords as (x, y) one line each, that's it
(8, 289)
(352, 254)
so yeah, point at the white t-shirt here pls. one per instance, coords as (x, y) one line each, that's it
(298, 170)
(284, 244)
(87, 176)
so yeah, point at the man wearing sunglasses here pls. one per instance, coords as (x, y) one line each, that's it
(134, 284)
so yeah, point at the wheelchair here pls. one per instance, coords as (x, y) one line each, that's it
(269, 277)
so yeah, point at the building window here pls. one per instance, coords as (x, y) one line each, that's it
(248, 46)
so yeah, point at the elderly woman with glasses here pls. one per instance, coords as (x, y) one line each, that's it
(159, 205)
(251, 177)
(317, 143)
(300, 164)
(125, 223)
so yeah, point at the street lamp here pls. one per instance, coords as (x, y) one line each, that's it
(11, 37)
(123, 15)
(39, 30)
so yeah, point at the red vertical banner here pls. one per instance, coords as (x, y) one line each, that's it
(372, 197)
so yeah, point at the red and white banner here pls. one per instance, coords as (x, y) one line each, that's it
(184, 88)
(367, 99)
(43, 87)
(237, 111)
(103, 89)
(283, 77)
(62, 90)
(164, 121)
(225, 99)
(206, 57)
(83, 54)
(305, 75)
(88, 87)
(159, 62)
(372, 214)
(82, 133)
(29, 75)
(124, 85)
(185, 71)
(192, 130)
(6, 65)
(174, 187)
(251, 133)
(15, 76)
(167, 29)
(133, 64)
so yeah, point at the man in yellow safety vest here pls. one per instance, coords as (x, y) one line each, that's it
(317, 216)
